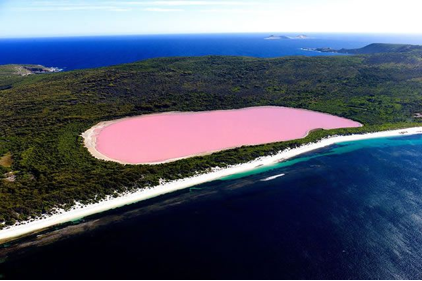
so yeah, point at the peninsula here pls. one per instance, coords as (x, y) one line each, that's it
(376, 48)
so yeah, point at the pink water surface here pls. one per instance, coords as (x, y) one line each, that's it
(163, 137)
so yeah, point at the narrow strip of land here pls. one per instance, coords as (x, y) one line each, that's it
(81, 211)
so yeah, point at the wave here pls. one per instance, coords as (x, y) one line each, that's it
(273, 177)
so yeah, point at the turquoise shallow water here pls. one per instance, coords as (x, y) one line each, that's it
(340, 148)
(349, 211)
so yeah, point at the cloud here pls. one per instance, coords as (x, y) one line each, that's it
(163, 10)
(183, 3)
(75, 8)
(120, 10)
(234, 11)
(126, 6)
(202, 3)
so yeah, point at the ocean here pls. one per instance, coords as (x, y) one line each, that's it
(349, 211)
(89, 52)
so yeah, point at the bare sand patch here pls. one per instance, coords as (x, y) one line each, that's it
(6, 160)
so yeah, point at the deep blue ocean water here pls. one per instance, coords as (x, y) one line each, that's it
(88, 52)
(349, 211)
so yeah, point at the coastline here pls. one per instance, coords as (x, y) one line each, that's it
(81, 211)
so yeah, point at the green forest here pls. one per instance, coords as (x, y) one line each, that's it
(44, 165)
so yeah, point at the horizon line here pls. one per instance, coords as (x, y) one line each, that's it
(209, 33)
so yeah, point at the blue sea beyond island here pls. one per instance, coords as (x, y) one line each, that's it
(89, 52)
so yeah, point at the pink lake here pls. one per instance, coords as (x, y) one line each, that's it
(164, 137)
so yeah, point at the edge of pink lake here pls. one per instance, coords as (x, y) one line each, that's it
(170, 136)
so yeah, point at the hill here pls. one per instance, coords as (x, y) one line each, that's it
(12, 73)
(45, 166)
(375, 48)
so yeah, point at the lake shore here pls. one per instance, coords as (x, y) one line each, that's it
(80, 211)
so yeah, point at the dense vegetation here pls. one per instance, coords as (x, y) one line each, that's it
(383, 48)
(375, 48)
(42, 116)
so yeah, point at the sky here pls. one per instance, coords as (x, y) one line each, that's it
(43, 18)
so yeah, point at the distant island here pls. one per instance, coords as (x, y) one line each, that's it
(283, 37)
(276, 37)
(301, 36)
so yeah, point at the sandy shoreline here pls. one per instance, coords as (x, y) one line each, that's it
(81, 211)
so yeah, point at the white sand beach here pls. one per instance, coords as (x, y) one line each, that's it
(81, 211)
